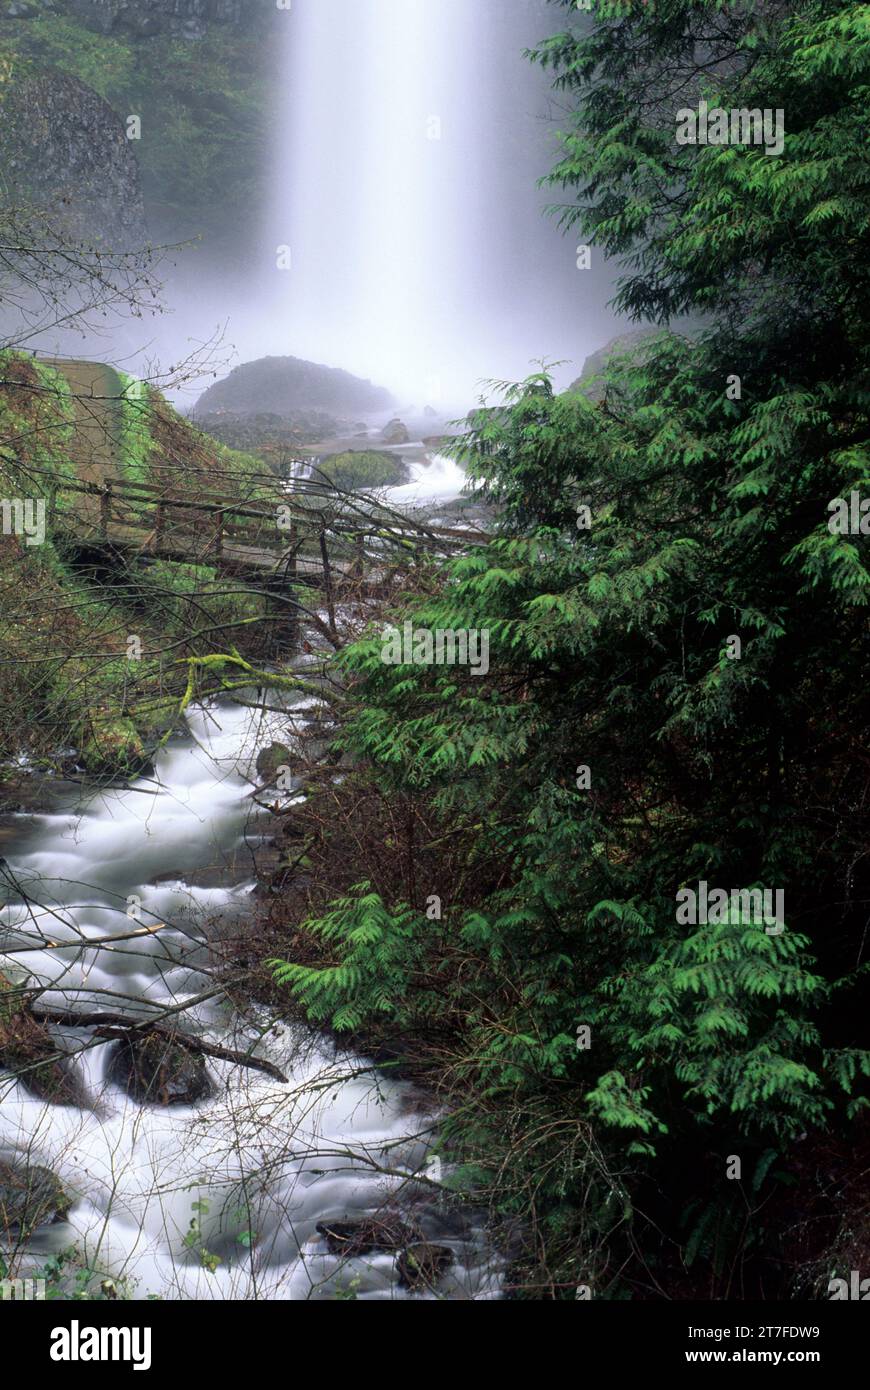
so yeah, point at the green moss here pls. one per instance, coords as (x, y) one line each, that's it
(136, 442)
(114, 744)
(65, 677)
(192, 598)
(41, 430)
(366, 469)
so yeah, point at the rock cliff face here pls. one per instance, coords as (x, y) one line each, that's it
(597, 361)
(147, 18)
(63, 148)
(200, 77)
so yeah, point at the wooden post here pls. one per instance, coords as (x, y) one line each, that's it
(359, 566)
(219, 536)
(327, 584)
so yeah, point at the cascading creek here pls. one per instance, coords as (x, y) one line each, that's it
(170, 1164)
(251, 1187)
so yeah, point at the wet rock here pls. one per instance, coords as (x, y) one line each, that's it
(396, 432)
(62, 146)
(352, 1238)
(27, 1049)
(30, 1197)
(270, 761)
(180, 18)
(156, 1071)
(422, 1265)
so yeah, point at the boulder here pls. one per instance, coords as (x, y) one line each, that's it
(353, 1238)
(365, 468)
(396, 432)
(155, 1070)
(420, 1266)
(30, 1197)
(270, 761)
(27, 1048)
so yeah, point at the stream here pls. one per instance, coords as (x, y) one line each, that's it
(117, 894)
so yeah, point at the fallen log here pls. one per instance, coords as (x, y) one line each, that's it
(117, 1026)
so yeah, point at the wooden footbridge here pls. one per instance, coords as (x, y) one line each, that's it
(271, 542)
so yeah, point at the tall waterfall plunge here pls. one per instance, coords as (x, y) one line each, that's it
(414, 246)
(401, 164)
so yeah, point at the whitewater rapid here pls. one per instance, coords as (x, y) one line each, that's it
(247, 1175)
(438, 482)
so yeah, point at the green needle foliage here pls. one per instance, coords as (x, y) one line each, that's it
(612, 649)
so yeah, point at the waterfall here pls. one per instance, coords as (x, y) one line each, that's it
(367, 177)
(405, 213)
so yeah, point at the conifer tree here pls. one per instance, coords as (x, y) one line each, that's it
(678, 664)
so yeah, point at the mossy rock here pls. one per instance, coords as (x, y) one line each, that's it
(157, 1071)
(368, 468)
(27, 1049)
(30, 1054)
(422, 1265)
(114, 745)
(270, 761)
(30, 1197)
(396, 432)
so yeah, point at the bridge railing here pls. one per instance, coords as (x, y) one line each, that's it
(296, 535)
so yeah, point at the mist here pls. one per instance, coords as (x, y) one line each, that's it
(403, 236)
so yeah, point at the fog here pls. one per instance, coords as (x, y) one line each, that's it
(412, 136)
(404, 236)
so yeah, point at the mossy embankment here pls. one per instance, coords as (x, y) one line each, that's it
(94, 646)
